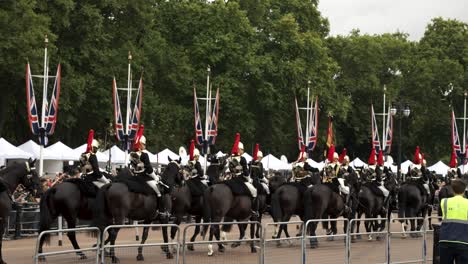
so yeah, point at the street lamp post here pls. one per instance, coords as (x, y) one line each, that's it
(401, 111)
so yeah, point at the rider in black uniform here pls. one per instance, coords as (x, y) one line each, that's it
(91, 170)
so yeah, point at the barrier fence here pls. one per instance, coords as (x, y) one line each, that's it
(300, 247)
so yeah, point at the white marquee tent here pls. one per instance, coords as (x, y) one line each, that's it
(439, 168)
(65, 152)
(9, 151)
(405, 166)
(314, 164)
(357, 162)
(81, 149)
(117, 155)
(163, 157)
(247, 157)
(273, 163)
(33, 148)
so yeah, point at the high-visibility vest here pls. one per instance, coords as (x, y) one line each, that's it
(454, 228)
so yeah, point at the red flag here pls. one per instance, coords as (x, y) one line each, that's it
(331, 152)
(300, 138)
(330, 132)
(453, 160)
(257, 147)
(51, 118)
(198, 124)
(119, 127)
(90, 140)
(192, 149)
(302, 153)
(380, 159)
(371, 160)
(136, 144)
(31, 102)
(342, 155)
(235, 147)
(375, 131)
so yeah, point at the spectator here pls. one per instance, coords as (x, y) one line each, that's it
(453, 244)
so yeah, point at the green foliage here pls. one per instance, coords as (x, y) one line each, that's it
(261, 53)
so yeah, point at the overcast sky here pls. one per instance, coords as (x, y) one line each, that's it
(381, 16)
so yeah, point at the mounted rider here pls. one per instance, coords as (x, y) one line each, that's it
(257, 163)
(376, 169)
(238, 164)
(344, 160)
(195, 168)
(140, 166)
(416, 173)
(90, 166)
(453, 171)
(301, 168)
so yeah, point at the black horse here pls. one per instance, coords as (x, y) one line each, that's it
(216, 169)
(115, 203)
(10, 177)
(323, 201)
(73, 199)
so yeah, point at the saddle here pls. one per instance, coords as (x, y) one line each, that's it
(374, 188)
(135, 184)
(196, 186)
(86, 187)
(420, 187)
(237, 186)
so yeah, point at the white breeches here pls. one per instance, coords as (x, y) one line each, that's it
(265, 186)
(426, 186)
(252, 189)
(343, 188)
(384, 190)
(101, 182)
(154, 186)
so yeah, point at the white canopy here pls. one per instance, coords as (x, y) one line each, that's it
(81, 149)
(220, 154)
(65, 152)
(9, 151)
(163, 157)
(314, 164)
(247, 157)
(405, 166)
(273, 163)
(33, 148)
(439, 168)
(117, 155)
(357, 162)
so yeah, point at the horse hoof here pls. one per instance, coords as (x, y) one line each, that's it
(115, 260)
(278, 243)
(169, 256)
(140, 257)
(210, 253)
(314, 245)
(190, 247)
(221, 249)
(253, 250)
(40, 259)
(330, 238)
(235, 244)
(353, 240)
(359, 237)
(403, 236)
(165, 249)
(83, 256)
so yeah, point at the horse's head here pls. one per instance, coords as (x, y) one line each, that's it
(391, 182)
(30, 178)
(172, 175)
(415, 172)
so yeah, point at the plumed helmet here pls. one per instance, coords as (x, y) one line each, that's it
(259, 154)
(95, 144)
(335, 156)
(346, 158)
(143, 140)
(241, 146)
(196, 152)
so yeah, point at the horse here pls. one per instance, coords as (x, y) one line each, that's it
(115, 203)
(287, 200)
(187, 199)
(256, 173)
(371, 202)
(412, 202)
(73, 199)
(216, 169)
(10, 177)
(322, 201)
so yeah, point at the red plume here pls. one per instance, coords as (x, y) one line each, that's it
(90, 140)
(257, 147)
(417, 160)
(235, 147)
(331, 151)
(380, 160)
(301, 154)
(371, 160)
(342, 155)
(136, 143)
(192, 149)
(453, 160)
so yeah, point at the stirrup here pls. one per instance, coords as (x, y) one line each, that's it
(254, 213)
(164, 214)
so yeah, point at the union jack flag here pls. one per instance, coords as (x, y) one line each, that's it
(389, 134)
(213, 122)
(375, 132)
(119, 127)
(198, 125)
(51, 116)
(135, 121)
(300, 138)
(31, 103)
(313, 122)
(455, 139)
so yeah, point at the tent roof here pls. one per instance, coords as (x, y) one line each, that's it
(357, 162)
(117, 155)
(220, 154)
(314, 164)
(65, 152)
(33, 148)
(247, 157)
(273, 163)
(439, 168)
(81, 149)
(163, 157)
(9, 151)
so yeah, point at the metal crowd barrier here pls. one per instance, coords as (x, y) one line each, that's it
(370, 247)
(131, 244)
(277, 254)
(95, 248)
(421, 232)
(226, 257)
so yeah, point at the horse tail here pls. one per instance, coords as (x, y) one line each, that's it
(401, 204)
(206, 209)
(101, 213)
(47, 213)
(276, 212)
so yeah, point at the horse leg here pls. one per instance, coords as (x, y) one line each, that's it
(242, 228)
(165, 248)
(143, 240)
(2, 230)
(252, 236)
(71, 223)
(313, 241)
(174, 230)
(196, 232)
(333, 229)
(112, 238)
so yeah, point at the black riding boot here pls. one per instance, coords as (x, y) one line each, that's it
(255, 207)
(162, 208)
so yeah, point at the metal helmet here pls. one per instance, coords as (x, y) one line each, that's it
(335, 156)
(196, 152)
(95, 143)
(259, 154)
(241, 146)
(143, 140)
(346, 158)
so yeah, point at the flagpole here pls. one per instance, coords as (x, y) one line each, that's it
(206, 119)
(44, 103)
(308, 113)
(464, 129)
(384, 136)
(129, 97)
